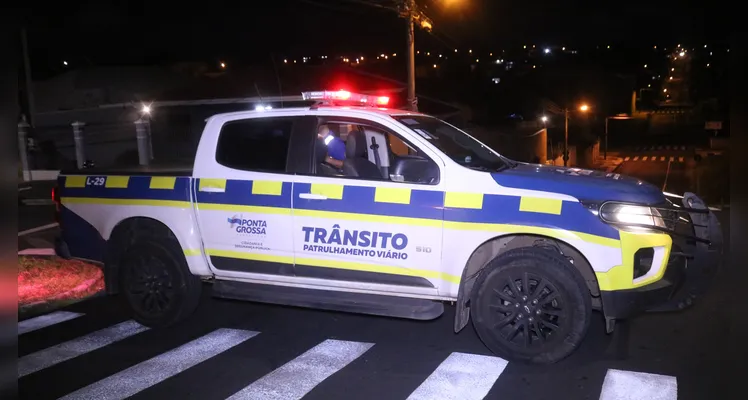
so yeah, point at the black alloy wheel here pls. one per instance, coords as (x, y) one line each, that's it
(156, 283)
(531, 305)
(529, 310)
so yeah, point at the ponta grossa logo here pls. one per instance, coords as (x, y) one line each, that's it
(248, 226)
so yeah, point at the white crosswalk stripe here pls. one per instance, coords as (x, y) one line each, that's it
(672, 158)
(645, 158)
(299, 376)
(662, 158)
(636, 158)
(148, 373)
(461, 377)
(46, 320)
(626, 158)
(680, 159)
(76, 347)
(628, 385)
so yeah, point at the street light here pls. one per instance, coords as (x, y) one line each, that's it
(583, 108)
(544, 118)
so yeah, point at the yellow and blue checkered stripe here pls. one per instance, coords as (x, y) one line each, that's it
(386, 204)
(133, 190)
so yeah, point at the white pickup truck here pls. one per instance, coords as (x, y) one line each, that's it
(417, 214)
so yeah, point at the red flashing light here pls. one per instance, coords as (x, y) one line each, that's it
(344, 97)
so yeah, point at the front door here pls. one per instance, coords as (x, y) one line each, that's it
(374, 233)
(244, 201)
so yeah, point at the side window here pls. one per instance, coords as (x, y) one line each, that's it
(398, 147)
(258, 144)
(393, 160)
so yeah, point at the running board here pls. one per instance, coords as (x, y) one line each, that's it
(360, 303)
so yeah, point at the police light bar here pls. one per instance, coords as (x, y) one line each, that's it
(344, 96)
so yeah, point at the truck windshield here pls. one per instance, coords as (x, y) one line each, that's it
(456, 144)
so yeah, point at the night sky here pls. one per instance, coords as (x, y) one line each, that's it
(142, 32)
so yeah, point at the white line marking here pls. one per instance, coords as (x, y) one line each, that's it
(37, 252)
(299, 376)
(461, 377)
(38, 228)
(644, 158)
(46, 320)
(628, 385)
(626, 158)
(654, 158)
(65, 351)
(148, 373)
(662, 158)
(636, 158)
(680, 159)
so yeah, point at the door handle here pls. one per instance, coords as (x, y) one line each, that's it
(312, 196)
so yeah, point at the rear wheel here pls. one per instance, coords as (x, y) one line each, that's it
(531, 305)
(156, 283)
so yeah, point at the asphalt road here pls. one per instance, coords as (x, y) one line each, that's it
(265, 351)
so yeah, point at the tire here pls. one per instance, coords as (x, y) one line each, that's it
(156, 283)
(556, 322)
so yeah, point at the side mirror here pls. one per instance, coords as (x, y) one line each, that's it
(414, 168)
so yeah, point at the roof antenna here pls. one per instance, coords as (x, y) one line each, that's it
(277, 76)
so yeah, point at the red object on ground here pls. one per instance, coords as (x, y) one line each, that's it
(43, 279)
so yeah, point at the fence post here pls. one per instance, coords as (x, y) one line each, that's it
(141, 135)
(23, 129)
(80, 151)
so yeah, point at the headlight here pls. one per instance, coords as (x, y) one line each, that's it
(626, 214)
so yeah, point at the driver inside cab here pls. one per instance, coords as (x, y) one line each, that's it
(335, 146)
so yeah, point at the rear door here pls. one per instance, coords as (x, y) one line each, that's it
(243, 199)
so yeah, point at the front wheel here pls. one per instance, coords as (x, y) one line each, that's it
(531, 305)
(156, 283)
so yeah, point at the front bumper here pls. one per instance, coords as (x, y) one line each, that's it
(694, 260)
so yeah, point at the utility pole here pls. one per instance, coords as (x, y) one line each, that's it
(566, 136)
(410, 57)
(409, 10)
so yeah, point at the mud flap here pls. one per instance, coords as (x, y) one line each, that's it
(703, 258)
